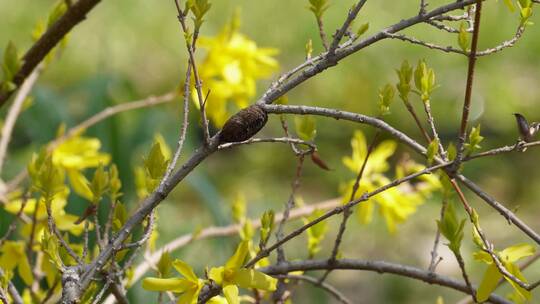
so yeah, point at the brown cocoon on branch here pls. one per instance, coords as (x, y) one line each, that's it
(244, 124)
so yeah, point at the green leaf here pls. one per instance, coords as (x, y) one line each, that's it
(516, 252)
(489, 283)
(12, 63)
(362, 29)
(510, 5)
(474, 141)
(99, 185)
(318, 7)
(309, 50)
(463, 37)
(386, 95)
(405, 75)
(305, 127)
(58, 11)
(164, 264)
(452, 228)
(432, 151)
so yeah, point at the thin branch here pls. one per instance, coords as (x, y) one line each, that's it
(53, 229)
(55, 33)
(353, 13)
(379, 267)
(212, 232)
(469, 86)
(95, 119)
(198, 84)
(278, 295)
(347, 212)
(322, 33)
(13, 113)
(15, 295)
(203, 152)
(325, 286)
(447, 49)
(307, 110)
(183, 130)
(146, 234)
(340, 209)
(434, 251)
(286, 140)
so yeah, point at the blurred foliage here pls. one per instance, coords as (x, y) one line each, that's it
(127, 50)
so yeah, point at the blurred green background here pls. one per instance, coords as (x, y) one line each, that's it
(127, 50)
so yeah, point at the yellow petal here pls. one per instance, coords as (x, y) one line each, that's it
(231, 294)
(80, 184)
(171, 284)
(249, 278)
(516, 252)
(185, 270)
(237, 260)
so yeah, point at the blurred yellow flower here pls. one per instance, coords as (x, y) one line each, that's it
(395, 204)
(13, 255)
(64, 221)
(230, 70)
(80, 153)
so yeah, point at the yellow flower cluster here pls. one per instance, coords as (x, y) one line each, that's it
(230, 70)
(395, 204)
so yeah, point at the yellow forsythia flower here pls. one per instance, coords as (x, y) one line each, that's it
(395, 204)
(230, 70)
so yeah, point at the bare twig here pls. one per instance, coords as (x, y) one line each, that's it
(306, 110)
(353, 12)
(322, 32)
(434, 255)
(469, 86)
(347, 212)
(56, 32)
(183, 130)
(146, 234)
(327, 287)
(198, 84)
(93, 120)
(379, 267)
(13, 113)
(53, 229)
(286, 140)
(340, 209)
(200, 154)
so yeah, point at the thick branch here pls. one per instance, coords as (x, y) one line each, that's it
(379, 267)
(73, 16)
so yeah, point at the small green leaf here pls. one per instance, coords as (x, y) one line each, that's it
(305, 127)
(432, 150)
(386, 95)
(510, 5)
(309, 49)
(164, 264)
(12, 62)
(474, 141)
(318, 7)
(489, 283)
(100, 184)
(405, 75)
(58, 11)
(362, 29)
(463, 37)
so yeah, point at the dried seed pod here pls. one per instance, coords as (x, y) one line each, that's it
(244, 124)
